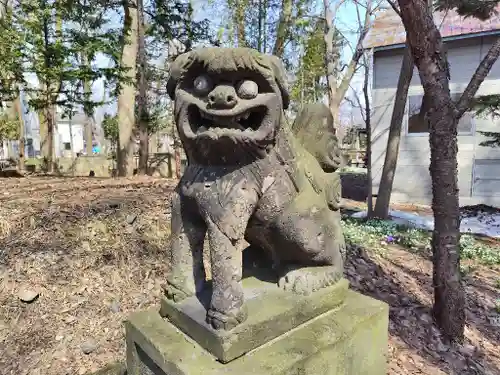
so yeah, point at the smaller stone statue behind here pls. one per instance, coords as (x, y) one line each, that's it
(250, 177)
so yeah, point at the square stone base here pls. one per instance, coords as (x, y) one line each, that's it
(350, 340)
(272, 312)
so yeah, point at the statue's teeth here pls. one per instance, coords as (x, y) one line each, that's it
(246, 115)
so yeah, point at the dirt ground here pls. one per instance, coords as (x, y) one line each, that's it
(95, 251)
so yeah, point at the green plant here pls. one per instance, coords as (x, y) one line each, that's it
(472, 249)
(377, 233)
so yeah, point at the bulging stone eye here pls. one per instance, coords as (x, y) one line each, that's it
(248, 89)
(202, 84)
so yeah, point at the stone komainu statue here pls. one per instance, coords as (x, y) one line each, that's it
(251, 177)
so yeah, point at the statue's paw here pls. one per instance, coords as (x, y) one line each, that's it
(226, 321)
(333, 192)
(306, 280)
(175, 292)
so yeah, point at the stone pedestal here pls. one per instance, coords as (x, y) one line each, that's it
(331, 332)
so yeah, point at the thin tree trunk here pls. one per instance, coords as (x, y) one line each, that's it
(392, 149)
(330, 53)
(427, 47)
(50, 118)
(71, 144)
(336, 93)
(366, 88)
(284, 26)
(239, 21)
(44, 135)
(142, 97)
(88, 116)
(10, 149)
(126, 99)
(19, 115)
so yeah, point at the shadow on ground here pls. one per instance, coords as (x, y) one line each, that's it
(415, 344)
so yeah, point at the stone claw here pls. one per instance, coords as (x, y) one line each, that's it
(226, 321)
(304, 281)
(175, 293)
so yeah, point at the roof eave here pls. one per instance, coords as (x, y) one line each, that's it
(446, 39)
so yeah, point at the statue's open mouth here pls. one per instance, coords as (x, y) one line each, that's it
(231, 121)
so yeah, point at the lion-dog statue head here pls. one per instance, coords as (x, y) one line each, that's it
(229, 104)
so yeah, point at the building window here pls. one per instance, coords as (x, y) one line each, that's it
(418, 125)
(67, 146)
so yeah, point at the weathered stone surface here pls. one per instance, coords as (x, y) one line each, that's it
(349, 340)
(271, 312)
(250, 177)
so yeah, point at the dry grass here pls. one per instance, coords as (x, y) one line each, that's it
(77, 243)
(96, 251)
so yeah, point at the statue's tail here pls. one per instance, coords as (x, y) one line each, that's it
(313, 128)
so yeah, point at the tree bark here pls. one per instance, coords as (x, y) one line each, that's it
(392, 149)
(50, 117)
(239, 20)
(142, 97)
(427, 50)
(88, 116)
(284, 25)
(366, 90)
(330, 53)
(18, 114)
(126, 99)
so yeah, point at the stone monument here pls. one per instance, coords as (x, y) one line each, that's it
(282, 305)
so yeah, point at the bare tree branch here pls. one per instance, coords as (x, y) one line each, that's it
(358, 53)
(477, 79)
(394, 7)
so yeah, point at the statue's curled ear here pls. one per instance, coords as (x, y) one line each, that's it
(281, 79)
(177, 69)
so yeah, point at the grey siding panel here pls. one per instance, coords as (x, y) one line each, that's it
(412, 181)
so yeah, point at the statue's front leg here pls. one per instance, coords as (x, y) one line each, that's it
(227, 307)
(187, 275)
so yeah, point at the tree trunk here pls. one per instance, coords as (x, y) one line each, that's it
(392, 149)
(239, 21)
(366, 92)
(126, 99)
(19, 114)
(427, 47)
(330, 55)
(43, 133)
(142, 97)
(51, 119)
(88, 117)
(284, 26)
(71, 143)
(336, 93)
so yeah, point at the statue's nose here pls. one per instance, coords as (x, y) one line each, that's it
(223, 97)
